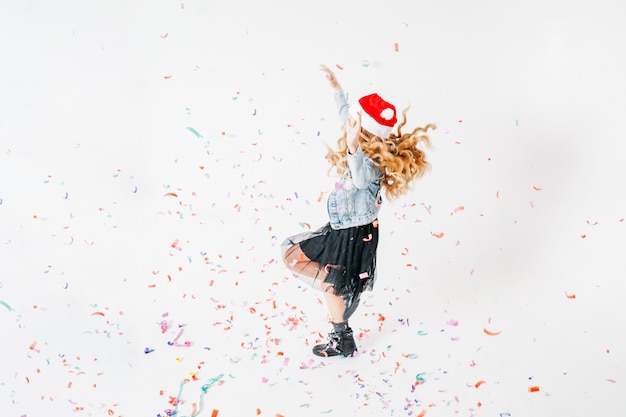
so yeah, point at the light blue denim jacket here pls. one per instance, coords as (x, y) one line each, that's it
(356, 199)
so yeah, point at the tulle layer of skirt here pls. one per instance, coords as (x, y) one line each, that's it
(348, 256)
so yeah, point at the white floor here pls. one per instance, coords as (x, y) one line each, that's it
(154, 154)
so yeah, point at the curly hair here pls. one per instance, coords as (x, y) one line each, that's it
(398, 157)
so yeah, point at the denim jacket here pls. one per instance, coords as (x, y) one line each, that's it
(356, 199)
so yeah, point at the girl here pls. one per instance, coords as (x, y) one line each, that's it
(340, 257)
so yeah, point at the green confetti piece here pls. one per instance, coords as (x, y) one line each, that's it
(194, 131)
(8, 307)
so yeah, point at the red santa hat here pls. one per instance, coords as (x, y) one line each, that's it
(377, 116)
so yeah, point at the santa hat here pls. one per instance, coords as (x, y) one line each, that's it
(377, 116)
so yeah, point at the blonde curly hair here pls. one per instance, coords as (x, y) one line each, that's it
(398, 157)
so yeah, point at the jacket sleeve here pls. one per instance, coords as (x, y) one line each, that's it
(362, 169)
(342, 106)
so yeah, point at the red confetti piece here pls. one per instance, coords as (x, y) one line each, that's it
(583, 236)
(167, 77)
(571, 297)
(533, 389)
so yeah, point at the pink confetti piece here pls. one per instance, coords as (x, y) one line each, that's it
(452, 322)
(364, 275)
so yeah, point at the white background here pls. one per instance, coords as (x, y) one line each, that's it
(154, 154)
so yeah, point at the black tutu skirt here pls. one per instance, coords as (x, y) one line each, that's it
(347, 255)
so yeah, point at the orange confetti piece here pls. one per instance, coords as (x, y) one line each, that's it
(571, 297)
(437, 235)
(490, 333)
(258, 411)
(422, 413)
(368, 238)
(339, 66)
(533, 389)
(214, 413)
(497, 194)
(457, 209)
(536, 188)
(396, 47)
(167, 77)
(97, 313)
(583, 236)
(170, 195)
(479, 383)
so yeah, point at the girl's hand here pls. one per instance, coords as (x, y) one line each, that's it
(353, 132)
(331, 77)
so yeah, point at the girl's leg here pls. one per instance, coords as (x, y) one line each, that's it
(335, 303)
(295, 259)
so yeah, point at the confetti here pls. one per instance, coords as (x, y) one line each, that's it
(8, 307)
(194, 131)
(457, 209)
(533, 389)
(490, 333)
(570, 296)
(479, 383)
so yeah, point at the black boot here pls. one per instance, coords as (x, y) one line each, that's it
(340, 342)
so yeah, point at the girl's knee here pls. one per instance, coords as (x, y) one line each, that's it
(292, 255)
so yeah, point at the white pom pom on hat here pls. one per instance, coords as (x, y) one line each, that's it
(377, 116)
